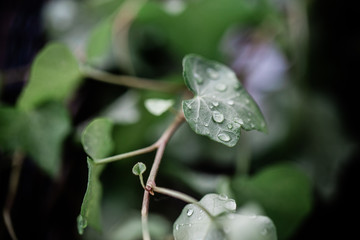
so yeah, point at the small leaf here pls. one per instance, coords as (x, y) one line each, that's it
(91, 206)
(221, 105)
(283, 191)
(139, 168)
(194, 223)
(158, 106)
(96, 138)
(54, 76)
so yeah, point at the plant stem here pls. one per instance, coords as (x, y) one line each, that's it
(127, 155)
(150, 184)
(132, 82)
(17, 163)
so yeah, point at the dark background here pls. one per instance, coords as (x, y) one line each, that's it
(47, 210)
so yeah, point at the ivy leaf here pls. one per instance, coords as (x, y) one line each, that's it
(221, 106)
(96, 138)
(139, 168)
(90, 213)
(283, 191)
(158, 106)
(54, 76)
(97, 143)
(194, 223)
(40, 133)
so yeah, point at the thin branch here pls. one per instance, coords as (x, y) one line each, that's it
(131, 81)
(161, 144)
(127, 155)
(17, 163)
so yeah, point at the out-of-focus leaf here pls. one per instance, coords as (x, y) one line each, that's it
(158, 106)
(194, 223)
(283, 191)
(90, 213)
(54, 76)
(96, 138)
(99, 43)
(221, 105)
(40, 133)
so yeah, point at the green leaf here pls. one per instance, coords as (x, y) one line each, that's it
(194, 223)
(96, 138)
(39, 133)
(139, 168)
(283, 191)
(54, 76)
(90, 214)
(158, 106)
(99, 44)
(221, 106)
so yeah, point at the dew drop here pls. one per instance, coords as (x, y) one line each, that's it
(223, 197)
(237, 86)
(177, 227)
(230, 126)
(230, 75)
(211, 106)
(230, 205)
(206, 124)
(239, 121)
(224, 137)
(218, 117)
(189, 212)
(230, 102)
(215, 104)
(212, 73)
(221, 87)
(189, 224)
(198, 78)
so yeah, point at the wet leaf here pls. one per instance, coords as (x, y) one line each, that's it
(194, 223)
(158, 106)
(54, 76)
(221, 106)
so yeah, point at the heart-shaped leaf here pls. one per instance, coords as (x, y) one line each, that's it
(139, 168)
(96, 138)
(194, 223)
(221, 106)
(54, 76)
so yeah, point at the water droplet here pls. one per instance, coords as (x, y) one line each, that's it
(230, 75)
(215, 104)
(224, 137)
(223, 197)
(198, 78)
(211, 106)
(230, 126)
(239, 121)
(206, 124)
(230, 102)
(177, 227)
(189, 212)
(237, 86)
(218, 117)
(221, 87)
(189, 224)
(212, 73)
(230, 205)
(264, 232)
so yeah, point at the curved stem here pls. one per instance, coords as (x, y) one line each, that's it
(127, 155)
(150, 184)
(130, 81)
(17, 162)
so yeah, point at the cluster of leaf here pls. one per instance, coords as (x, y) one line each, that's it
(220, 108)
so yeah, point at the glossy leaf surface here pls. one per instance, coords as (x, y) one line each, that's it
(221, 106)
